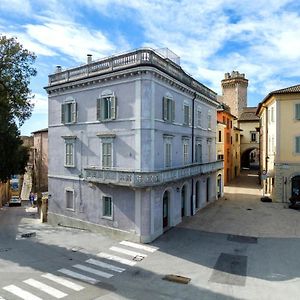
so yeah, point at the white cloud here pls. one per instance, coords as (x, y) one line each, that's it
(71, 39)
(18, 7)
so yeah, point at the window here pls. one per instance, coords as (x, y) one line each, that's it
(107, 207)
(231, 140)
(199, 118)
(168, 109)
(220, 156)
(106, 155)
(236, 137)
(186, 115)
(70, 199)
(230, 124)
(106, 108)
(209, 121)
(185, 152)
(168, 151)
(228, 155)
(198, 152)
(227, 123)
(69, 112)
(253, 136)
(297, 111)
(297, 144)
(220, 136)
(69, 152)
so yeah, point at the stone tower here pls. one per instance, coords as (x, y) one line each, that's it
(234, 92)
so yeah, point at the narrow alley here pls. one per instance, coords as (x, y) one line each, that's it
(241, 212)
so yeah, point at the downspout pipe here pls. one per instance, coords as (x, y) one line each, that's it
(193, 150)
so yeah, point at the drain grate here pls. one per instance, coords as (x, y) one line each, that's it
(28, 235)
(138, 258)
(177, 278)
(242, 239)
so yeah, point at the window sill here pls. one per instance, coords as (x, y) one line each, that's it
(69, 166)
(107, 218)
(70, 209)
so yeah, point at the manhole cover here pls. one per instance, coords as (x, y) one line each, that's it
(138, 258)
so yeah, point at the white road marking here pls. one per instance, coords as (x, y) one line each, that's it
(127, 252)
(139, 246)
(104, 265)
(116, 258)
(93, 271)
(78, 276)
(69, 284)
(20, 292)
(45, 288)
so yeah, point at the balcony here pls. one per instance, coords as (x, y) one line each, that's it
(147, 179)
(141, 57)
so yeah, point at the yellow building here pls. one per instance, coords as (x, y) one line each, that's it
(279, 114)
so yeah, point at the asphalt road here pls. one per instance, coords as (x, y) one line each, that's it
(225, 250)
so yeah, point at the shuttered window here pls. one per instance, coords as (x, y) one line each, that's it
(106, 108)
(298, 144)
(168, 154)
(186, 115)
(168, 109)
(69, 153)
(69, 112)
(106, 155)
(297, 111)
(198, 153)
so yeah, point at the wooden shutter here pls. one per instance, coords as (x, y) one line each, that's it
(98, 109)
(190, 116)
(74, 112)
(63, 108)
(298, 111)
(298, 144)
(113, 100)
(165, 109)
(173, 110)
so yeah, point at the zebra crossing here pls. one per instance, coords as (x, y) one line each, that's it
(92, 271)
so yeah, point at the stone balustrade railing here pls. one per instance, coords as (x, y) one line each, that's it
(146, 179)
(135, 58)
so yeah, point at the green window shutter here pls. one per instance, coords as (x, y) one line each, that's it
(113, 107)
(165, 109)
(173, 110)
(99, 109)
(298, 144)
(74, 112)
(298, 111)
(63, 108)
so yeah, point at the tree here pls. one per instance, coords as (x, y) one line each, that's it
(15, 107)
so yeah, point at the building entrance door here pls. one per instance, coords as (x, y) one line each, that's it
(183, 195)
(296, 186)
(207, 189)
(166, 199)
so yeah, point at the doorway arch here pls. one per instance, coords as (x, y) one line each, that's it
(250, 158)
(197, 191)
(219, 185)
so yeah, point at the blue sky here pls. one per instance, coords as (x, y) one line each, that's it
(258, 38)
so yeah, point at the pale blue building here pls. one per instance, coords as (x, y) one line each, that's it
(131, 145)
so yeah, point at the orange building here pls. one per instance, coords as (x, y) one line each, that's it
(226, 142)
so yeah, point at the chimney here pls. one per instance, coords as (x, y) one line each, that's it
(58, 69)
(89, 58)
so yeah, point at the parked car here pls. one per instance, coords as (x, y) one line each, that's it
(15, 200)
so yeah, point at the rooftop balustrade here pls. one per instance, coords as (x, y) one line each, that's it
(135, 58)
